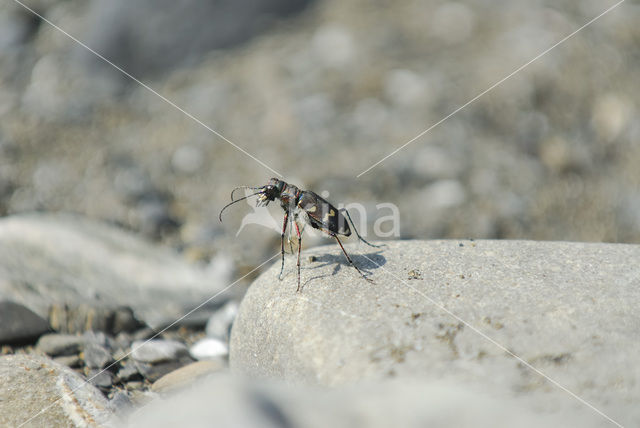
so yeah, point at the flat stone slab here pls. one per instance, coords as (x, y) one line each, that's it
(455, 310)
(38, 392)
(48, 259)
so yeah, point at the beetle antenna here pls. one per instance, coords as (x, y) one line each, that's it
(233, 202)
(243, 187)
(356, 230)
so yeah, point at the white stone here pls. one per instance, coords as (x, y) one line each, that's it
(208, 348)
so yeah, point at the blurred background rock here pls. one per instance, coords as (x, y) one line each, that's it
(320, 91)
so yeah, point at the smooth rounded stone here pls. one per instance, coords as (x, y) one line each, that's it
(187, 375)
(219, 324)
(96, 356)
(568, 309)
(50, 259)
(50, 393)
(54, 344)
(401, 402)
(19, 324)
(208, 348)
(157, 350)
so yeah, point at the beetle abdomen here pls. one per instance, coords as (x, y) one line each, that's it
(323, 215)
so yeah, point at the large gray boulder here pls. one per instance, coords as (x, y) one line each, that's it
(50, 259)
(458, 311)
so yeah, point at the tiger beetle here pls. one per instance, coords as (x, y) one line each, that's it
(303, 206)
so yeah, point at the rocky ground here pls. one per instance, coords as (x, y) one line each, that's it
(92, 304)
(455, 332)
(101, 320)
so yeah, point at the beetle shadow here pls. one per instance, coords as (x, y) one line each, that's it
(366, 263)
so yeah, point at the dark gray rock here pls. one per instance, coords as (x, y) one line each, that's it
(124, 320)
(19, 324)
(54, 344)
(103, 379)
(568, 309)
(57, 259)
(36, 391)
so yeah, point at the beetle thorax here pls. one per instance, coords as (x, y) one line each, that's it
(289, 197)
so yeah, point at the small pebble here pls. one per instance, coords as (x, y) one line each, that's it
(101, 379)
(414, 274)
(157, 350)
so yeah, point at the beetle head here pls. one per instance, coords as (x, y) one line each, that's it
(270, 192)
(267, 193)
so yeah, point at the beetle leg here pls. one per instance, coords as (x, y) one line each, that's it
(299, 250)
(284, 229)
(344, 210)
(351, 261)
(291, 221)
